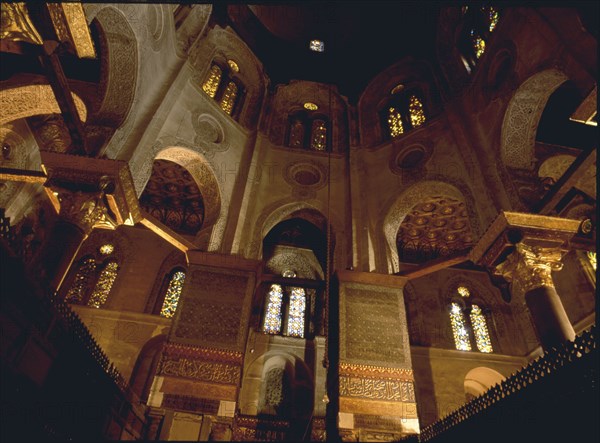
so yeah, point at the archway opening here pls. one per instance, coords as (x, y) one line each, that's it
(436, 227)
(479, 380)
(173, 197)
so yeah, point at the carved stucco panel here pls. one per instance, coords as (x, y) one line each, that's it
(523, 115)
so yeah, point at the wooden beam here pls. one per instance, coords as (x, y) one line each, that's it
(62, 91)
(435, 265)
(166, 233)
(22, 175)
(567, 181)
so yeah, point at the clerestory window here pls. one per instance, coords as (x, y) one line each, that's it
(223, 85)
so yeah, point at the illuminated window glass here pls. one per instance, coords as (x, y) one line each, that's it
(228, 99)
(211, 84)
(233, 65)
(395, 122)
(84, 273)
(462, 291)
(592, 258)
(317, 46)
(297, 134)
(480, 330)
(173, 293)
(459, 328)
(295, 325)
(417, 114)
(478, 44)
(107, 249)
(272, 323)
(104, 285)
(319, 135)
(493, 17)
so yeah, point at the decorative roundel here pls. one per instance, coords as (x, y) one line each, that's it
(207, 128)
(311, 175)
(410, 157)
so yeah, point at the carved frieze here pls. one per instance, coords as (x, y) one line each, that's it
(379, 372)
(377, 389)
(200, 370)
(190, 403)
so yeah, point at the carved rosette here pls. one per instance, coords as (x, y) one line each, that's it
(530, 267)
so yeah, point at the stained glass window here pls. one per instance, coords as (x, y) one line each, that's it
(319, 135)
(459, 328)
(272, 323)
(480, 330)
(173, 293)
(395, 122)
(84, 273)
(493, 17)
(107, 249)
(478, 44)
(592, 258)
(104, 285)
(229, 96)
(417, 114)
(297, 134)
(233, 65)
(295, 325)
(213, 79)
(317, 46)
(463, 292)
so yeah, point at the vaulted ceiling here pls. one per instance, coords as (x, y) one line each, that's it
(361, 39)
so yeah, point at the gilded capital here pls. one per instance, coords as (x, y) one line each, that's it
(530, 267)
(16, 25)
(86, 210)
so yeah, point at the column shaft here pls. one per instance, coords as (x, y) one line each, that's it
(549, 316)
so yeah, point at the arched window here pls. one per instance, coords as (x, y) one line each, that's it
(223, 85)
(318, 140)
(308, 130)
(404, 111)
(285, 309)
(172, 294)
(469, 323)
(94, 278)
(104, 284)
(478, 23)
(80, 285)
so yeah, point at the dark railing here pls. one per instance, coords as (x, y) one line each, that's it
(572, 370)
(76, 326)
(78, 380)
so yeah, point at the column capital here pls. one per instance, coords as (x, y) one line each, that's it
(91, 192)
(529, 267)
(84, 209)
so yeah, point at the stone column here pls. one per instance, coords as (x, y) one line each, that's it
(529, 269)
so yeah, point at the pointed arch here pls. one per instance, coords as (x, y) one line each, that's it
(523, 115)
(400, 208)
(479, 380)
(203, 175)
